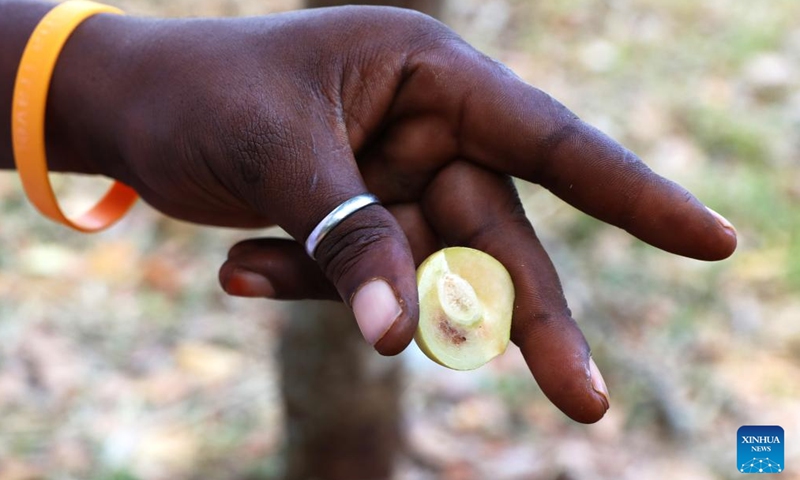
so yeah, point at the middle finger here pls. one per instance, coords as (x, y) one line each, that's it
(470, 206)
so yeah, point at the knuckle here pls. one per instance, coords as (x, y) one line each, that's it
(634, 192)
(440, 47)
(562, 134)
(410, 30)
(539, 318)
(344, 249)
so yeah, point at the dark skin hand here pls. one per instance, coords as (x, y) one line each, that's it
(277, 120)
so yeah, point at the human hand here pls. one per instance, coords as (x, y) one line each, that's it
(277, 120)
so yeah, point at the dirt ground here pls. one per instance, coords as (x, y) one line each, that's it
(121, 358)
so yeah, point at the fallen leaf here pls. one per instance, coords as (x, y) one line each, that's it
(173, 449)
(114, 262)
(209, 363)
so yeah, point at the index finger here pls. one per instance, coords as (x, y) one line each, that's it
(511, 127)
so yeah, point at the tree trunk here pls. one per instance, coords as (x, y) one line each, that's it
(342, 399)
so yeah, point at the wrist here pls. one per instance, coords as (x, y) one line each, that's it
(85, 100)
(17, 21)
(84, 96)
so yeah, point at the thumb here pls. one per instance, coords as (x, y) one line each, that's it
(363, 253)
(368, 259)
(296, 177)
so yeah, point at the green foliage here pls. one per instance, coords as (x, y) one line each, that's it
(727, 137)
(120, 474)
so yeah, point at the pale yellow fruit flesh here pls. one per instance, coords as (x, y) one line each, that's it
(466, 302)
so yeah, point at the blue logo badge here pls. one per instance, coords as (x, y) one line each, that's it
(760, 449)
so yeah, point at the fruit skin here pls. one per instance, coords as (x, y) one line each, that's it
(453, 344)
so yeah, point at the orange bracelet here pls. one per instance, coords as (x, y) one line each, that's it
(28, 119)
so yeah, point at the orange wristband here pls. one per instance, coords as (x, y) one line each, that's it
(28, 119)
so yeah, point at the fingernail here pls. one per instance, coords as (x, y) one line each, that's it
(598, 384)
(376, 309)
(244, 283)
(722, 220)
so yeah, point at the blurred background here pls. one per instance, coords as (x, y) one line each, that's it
(121, 358)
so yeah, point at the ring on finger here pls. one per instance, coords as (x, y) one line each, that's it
(335, 217)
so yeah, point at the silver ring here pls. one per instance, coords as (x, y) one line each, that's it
(347, 208)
